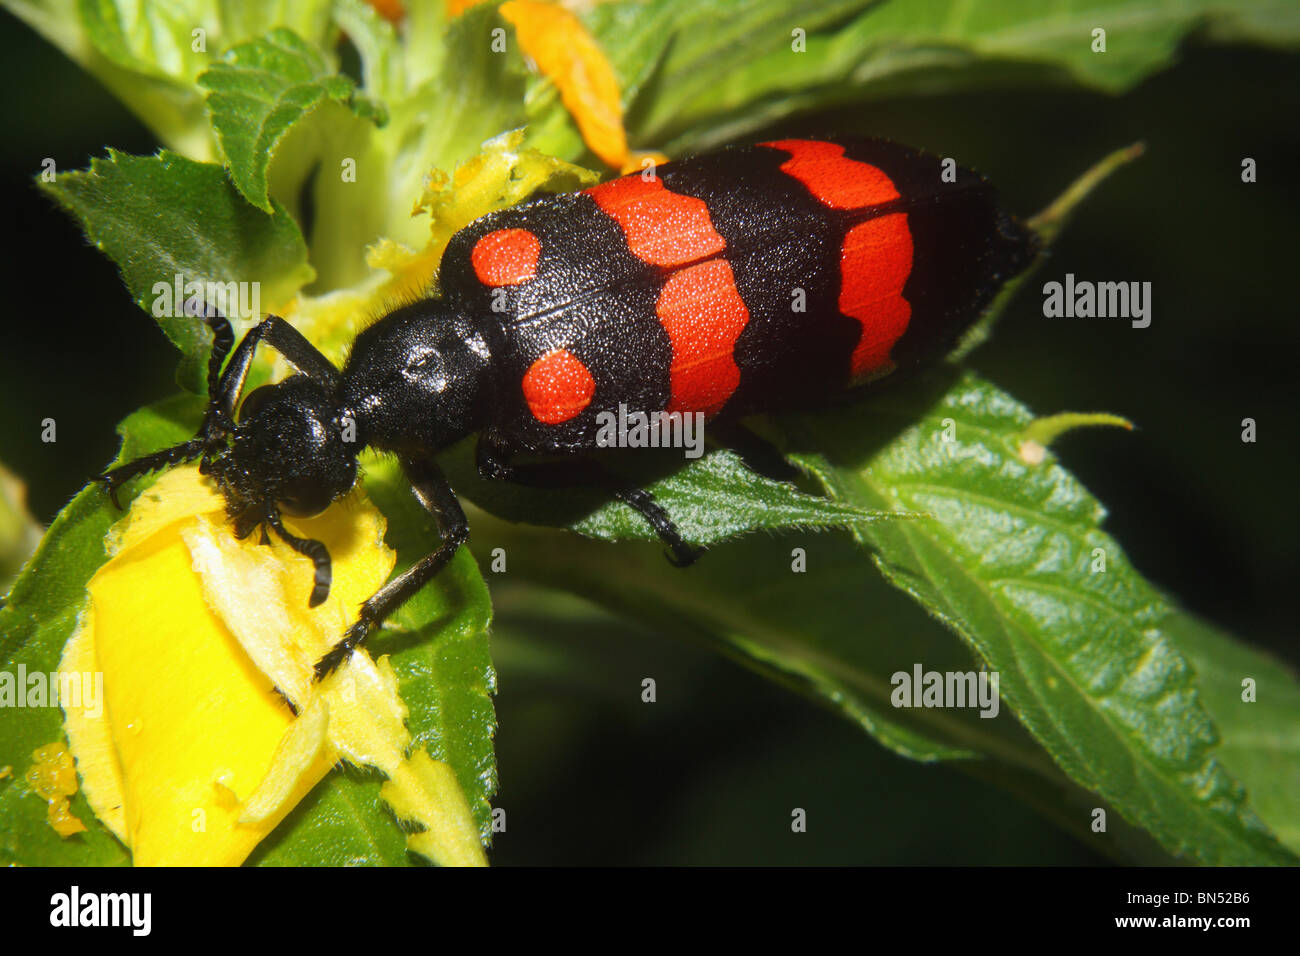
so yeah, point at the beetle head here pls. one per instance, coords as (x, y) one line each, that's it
(288, 455)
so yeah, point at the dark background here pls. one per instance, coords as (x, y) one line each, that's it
(590, 775)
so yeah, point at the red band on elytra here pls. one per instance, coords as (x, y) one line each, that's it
(662, 228)
(701, 310)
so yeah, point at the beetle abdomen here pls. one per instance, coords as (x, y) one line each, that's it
(750, 279)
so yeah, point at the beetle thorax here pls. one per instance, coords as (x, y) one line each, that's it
(417, 379)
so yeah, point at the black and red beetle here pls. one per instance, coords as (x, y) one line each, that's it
(752, 279)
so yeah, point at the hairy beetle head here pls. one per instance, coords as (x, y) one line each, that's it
(290, 451)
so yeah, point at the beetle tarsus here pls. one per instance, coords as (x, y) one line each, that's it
(333, 659)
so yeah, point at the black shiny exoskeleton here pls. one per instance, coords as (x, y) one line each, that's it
(752, 279)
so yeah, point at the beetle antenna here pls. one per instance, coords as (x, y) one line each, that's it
(310, 548)
(114, 478)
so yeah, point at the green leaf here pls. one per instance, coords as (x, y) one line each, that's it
(163, 217)
(1010, 562)
(838, 634)
(1260, 736)
(342, 822)
(439, 651)
(823, 633)
(258, 93)
(712, 499)
(696, 75)
(718, 497)
(19, 531)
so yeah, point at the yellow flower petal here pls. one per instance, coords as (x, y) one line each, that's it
(197, 758)
(555, 40)
(193, 721)
(367, 718)
(298, 755)
(91, 739)
(425, 791)
(192, 728)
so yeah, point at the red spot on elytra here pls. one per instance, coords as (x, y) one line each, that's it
(834, 179)
(703, 314)
(875, 261)
(662, 228)
(558, 387)
(506, 257)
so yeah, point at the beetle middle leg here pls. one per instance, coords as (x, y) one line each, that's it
(494, 463)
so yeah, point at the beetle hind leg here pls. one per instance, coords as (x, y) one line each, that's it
(679, 554)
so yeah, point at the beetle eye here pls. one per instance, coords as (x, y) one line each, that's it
(304, 499)
(304, 495)
(254, 401)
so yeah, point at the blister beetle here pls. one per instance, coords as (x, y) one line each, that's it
(751, 279)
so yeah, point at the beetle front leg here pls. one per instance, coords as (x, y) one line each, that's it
(224, 389)
(115, 478)
(213, 428)
(433, 491)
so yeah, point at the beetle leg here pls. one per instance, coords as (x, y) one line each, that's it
(308, 547)
(114, 478)
(282, 337)
(433, 491)
(224, 390)
(494, 463)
